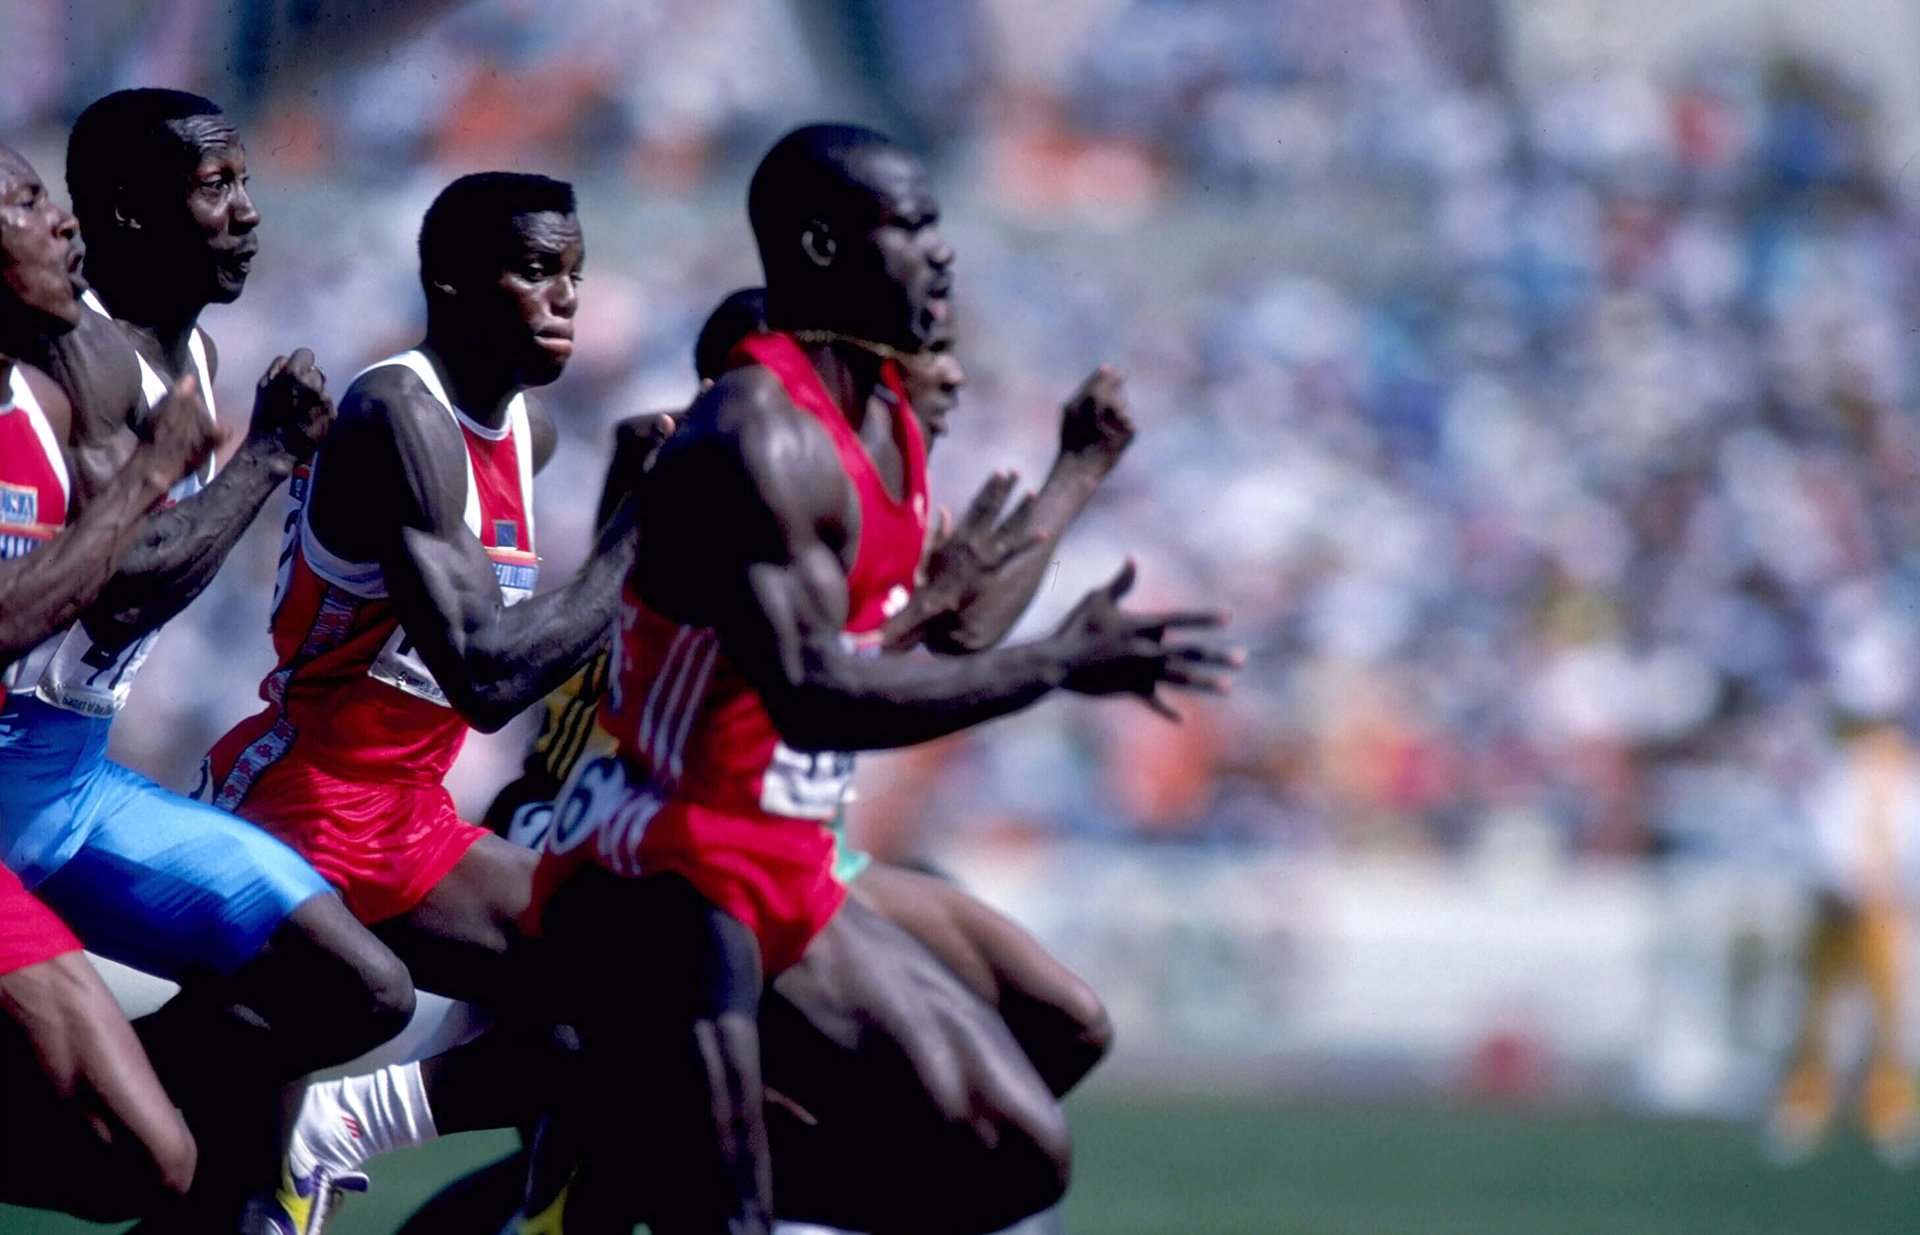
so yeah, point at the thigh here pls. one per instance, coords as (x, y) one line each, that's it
(1052, 1011)
(883, 1058)
(870, 1004)
(665, 994)
(174, 886)
(463, 939)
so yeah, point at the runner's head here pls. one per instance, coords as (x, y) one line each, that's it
(849, 236)
(39, 280)
(501, 257)
(742, 313)
(159, 182)
(933, 378)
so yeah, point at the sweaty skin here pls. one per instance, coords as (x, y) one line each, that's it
(862, 276)
(320, 988)
(197, 247)
(393, 491)
(88, 1128)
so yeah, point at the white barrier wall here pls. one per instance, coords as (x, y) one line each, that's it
(1667, 987)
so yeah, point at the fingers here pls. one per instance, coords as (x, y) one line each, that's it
(1016, 520)
(1122, 583)
(988, 501)
(274, 370)
(1158, 624)
(1160, 707)
(1016, 550)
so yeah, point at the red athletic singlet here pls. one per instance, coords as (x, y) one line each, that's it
(34, 486)
(726, 804)
(346, 761)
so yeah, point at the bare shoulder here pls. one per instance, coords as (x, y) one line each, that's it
(52, 400)
(546, 435)
(95, 364)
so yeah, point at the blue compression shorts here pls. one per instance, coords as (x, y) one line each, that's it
(142, 875)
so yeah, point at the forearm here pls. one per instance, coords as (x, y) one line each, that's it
(985, 619)
(531, 648)
(49, 588)
(179, 549)
(845, 702)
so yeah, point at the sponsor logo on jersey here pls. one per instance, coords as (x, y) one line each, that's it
(506, 534)
(516, 576)
(19, 505)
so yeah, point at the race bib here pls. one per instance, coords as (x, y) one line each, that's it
(602, 803)
(82, 676)
(806, 784)
(399, 664)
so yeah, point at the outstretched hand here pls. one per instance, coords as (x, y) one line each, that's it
(964, 559)
(1094, 425)
(291, 404)
(1111, 651)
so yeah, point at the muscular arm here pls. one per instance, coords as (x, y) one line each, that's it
(46, 590)
(783, 602)
(177, 550)
(391, 487)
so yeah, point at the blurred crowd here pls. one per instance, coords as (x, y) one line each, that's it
(1548, 436)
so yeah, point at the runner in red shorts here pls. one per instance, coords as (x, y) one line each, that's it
(87, 1127)
(404, 613)
(748, 660)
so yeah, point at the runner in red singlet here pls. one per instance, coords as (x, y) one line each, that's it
(405, 612)
(87, 1126)
(747, 661)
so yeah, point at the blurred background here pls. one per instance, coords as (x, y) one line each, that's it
(1533, 381)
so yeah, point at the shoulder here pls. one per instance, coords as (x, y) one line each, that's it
(545, 434)
(97, 368)
(52, 400)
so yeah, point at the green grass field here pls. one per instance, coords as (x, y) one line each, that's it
(1193, 1168)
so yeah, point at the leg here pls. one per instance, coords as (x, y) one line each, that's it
(88, 1129)
(891, 1071)
(277, 977)
(1055, 1016)
(1888, 1102)
(1804, 1106)
(463, 940)
(671, 1031)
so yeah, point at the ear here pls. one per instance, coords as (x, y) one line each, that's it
(124, 220)
(816, 241)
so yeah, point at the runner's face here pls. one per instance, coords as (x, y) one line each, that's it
(539, 288)
(223, 218)
(905, 273)
(933, 380)
(38, 254)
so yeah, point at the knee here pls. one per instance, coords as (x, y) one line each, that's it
(353, 997)
(389, 999)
